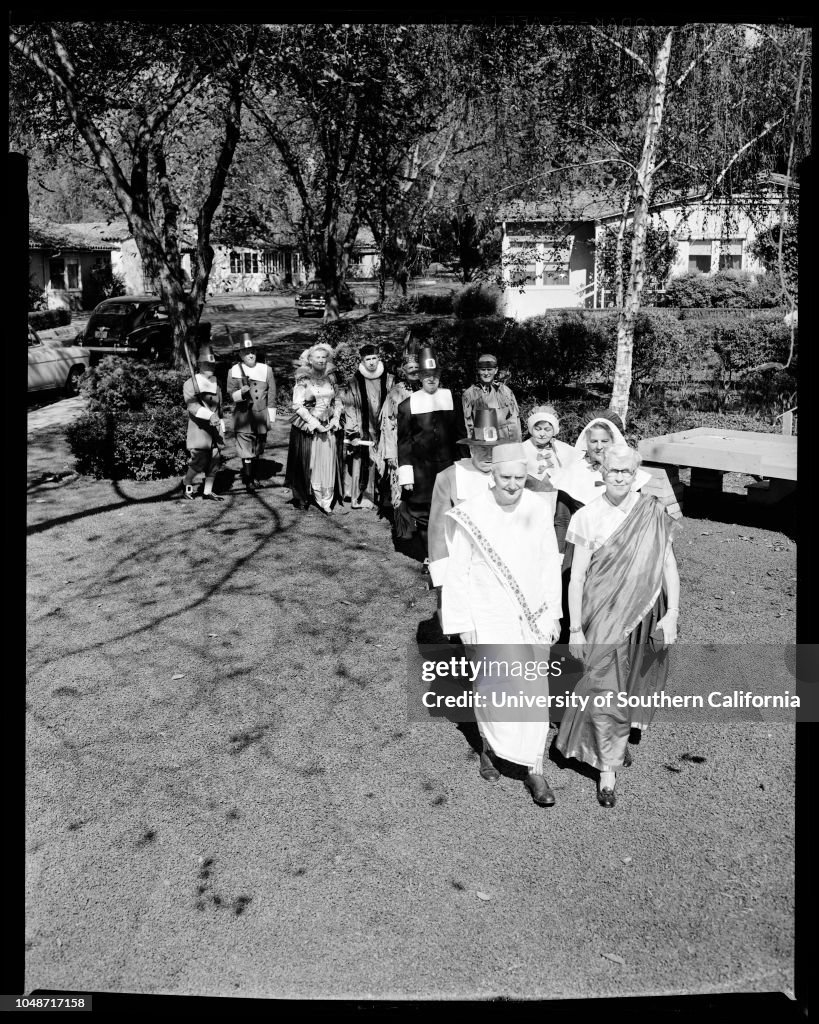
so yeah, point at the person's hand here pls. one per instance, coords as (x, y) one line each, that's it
(469, 637)
(214, 420)
(554, 632)
(392, 463)
(577, 645)
(668, 624)
(245, 389)
(408, 488)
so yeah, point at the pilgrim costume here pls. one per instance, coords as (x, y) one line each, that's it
(428, 428)
(206, 429)
(544, 460)
(492, 395)
(252, 387)
(388, 437)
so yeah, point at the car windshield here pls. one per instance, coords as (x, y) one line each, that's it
(315, 286)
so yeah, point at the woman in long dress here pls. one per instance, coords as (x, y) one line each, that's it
(624, 600)
(314, 468)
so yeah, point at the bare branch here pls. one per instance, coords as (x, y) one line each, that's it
(679, 81)
(743, 149)
(620, 46)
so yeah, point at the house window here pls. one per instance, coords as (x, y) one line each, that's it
(730, 254)
(235, 263)
(57, 274)
(72, 273)
(699, 255)
(251, 262)
(270, 263)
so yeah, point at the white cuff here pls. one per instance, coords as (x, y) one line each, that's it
(406, 476)
(437, 571)
(204, 413)
(237, 395)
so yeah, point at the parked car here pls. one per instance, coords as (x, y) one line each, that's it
(51, 364)
(129, 325)
(312, 301)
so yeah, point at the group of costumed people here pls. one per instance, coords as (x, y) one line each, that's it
(527, 543)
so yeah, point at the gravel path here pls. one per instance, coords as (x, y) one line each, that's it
(225, 796)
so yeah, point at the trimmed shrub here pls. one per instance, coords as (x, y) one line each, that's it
(147, 445)
(136, 423)
(476, 300)
(117, 385)
(45, 319)
(727, 289)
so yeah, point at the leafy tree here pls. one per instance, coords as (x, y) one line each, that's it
(159, 109)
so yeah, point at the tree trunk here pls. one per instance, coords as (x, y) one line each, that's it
(618, 252)
(643, 185)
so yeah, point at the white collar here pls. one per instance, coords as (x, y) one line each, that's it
(422, 401)
(205, 384)
(257, 372)
(371, 374)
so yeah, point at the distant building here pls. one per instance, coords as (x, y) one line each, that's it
(549, 249)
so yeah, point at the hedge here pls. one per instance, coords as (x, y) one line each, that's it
(45, 319)
(727, 289)
(136, 423)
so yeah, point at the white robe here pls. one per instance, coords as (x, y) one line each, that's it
(503, 583)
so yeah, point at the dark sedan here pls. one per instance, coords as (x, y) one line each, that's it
(129, 325)
(312, 301)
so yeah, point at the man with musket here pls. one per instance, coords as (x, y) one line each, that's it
(428, 428)
(488, 393)
(206, 429)
(253, 389)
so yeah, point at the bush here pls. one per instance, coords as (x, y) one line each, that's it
(45, 319)
(476, 300)
(147, 445)
(440, 305)
(117, 385)
(728, 289)
(36, 297)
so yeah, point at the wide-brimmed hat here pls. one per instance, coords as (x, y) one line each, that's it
(484, 429)
(509, 451)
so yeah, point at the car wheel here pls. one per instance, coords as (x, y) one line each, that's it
(72, 384)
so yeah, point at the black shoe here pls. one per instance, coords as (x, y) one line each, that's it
(628, 760)
(213, 497)
(539, 788)
(606, 797)
(487, 770)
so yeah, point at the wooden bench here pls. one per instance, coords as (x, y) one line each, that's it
(712, 452)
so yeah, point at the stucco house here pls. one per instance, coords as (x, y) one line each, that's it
(549, 249)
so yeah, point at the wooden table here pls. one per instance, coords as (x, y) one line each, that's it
(711, 452)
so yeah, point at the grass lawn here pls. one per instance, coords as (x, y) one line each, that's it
(225, 795)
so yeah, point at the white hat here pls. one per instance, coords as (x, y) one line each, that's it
(512, 452)
(541, 413)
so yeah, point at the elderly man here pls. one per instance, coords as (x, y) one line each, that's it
(487, 393)
(427, 436)
(502, 588)
(206, 428)
(253, 390)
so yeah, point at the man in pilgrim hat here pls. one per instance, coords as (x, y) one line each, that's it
(428, 427)
(253, 389)
(488, 393)
(206, 429)
(545, 456)
(501, 593)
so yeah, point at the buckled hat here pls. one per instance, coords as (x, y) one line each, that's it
(206, 355)
(427, 360)
(484, 429)
(246, 342)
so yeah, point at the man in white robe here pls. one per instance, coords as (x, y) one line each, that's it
(502, 587)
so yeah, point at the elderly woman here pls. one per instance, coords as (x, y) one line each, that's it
(314, 470)
(545, 455)
(624, 598)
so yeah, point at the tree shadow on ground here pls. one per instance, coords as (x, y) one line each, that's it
(737, 510)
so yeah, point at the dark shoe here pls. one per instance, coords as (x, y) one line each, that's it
(213, 497)
(606, 797)
(628, 760)
(539, 788)
(190, 492)
(487, 770)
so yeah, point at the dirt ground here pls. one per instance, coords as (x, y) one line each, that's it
(225, 795)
